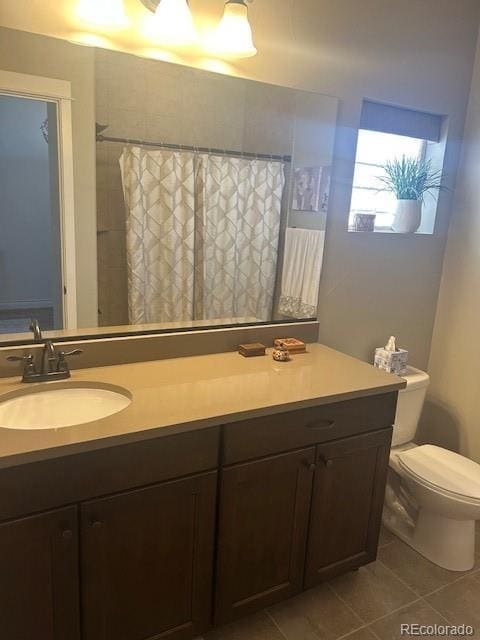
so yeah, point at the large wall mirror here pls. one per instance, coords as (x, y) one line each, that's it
(211, 193)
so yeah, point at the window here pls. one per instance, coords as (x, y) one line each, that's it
(374, 149)
(388, 132)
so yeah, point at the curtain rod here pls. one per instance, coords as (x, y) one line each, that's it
(184, 147)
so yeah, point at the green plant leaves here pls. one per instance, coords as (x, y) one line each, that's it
(410, 178)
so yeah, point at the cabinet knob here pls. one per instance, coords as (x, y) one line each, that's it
(311, 466)
(67, 534)
(96, 524)
(326, 463)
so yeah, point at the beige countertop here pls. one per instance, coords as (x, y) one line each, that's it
(178, 395)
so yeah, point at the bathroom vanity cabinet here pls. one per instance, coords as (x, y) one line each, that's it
(168, 536)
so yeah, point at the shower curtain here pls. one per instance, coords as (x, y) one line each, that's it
(158, 187)
(238, 205)
(202, 235)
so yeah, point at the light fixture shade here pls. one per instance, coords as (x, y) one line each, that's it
(233, 36)
(104, 13)
(173, 24)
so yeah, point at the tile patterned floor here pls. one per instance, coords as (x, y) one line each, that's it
(372, 603)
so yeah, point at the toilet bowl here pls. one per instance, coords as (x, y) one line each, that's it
(433, 495)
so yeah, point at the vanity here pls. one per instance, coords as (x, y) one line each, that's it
(227, 485)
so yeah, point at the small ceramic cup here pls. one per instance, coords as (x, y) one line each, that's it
(364, 222)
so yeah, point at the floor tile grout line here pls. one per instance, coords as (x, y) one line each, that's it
(374, 633)
(275, 623)
(445, 586)
(365, 624)
(362, 623)
(356, 615)
(369, 625)
(400, 579)
(404, 606)
(332, 589)
(429, 593)
(442, 615)
(350, 633)
(407, 604)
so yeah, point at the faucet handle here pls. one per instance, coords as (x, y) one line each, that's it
(75, 352)
(62, 359)
(29, 364)
(28, 359)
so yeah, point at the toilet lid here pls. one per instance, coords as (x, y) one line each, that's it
(444, 469)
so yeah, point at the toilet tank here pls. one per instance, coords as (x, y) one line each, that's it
(409, 406)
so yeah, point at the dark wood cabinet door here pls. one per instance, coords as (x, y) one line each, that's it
(39, 577)
(348, 495)
(147, 559)
(264, 509)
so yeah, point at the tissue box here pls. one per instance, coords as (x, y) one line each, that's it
(391, 361)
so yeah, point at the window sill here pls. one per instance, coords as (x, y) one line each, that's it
(387, 231)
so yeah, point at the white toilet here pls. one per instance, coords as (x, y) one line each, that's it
(433, 495)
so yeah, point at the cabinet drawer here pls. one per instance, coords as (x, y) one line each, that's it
(51, 483)
(260, 437)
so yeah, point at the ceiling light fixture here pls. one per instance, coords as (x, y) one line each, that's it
(233, 35)
(104, 13)
(172, 23)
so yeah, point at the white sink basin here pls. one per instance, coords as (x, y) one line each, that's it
(58, 405)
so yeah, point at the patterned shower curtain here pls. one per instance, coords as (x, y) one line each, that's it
(159, 187)
(202, 235)
(238, 206)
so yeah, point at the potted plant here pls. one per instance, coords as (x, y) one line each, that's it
(410, 179)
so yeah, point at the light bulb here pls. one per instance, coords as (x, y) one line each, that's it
(172, 23)
(233, 35)
(105, 13)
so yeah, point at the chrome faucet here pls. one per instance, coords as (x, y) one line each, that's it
(49, 358)
(35, 328)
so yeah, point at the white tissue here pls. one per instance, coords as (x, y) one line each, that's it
(391, 344)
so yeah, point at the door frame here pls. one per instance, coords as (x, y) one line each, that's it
(58, 92)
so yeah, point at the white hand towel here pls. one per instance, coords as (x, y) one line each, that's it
(302, 266)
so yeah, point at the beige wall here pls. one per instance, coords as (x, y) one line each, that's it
(416, 53)
(373, 286)
(28, 53)
(452, 417)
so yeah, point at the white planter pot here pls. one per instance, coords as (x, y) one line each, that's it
(408, 216)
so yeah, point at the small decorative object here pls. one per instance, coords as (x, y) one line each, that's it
(410, 179)
(252, 349)
(44, 129)
(364, 222)
(391, 359)
(280, 354)
(306, 191)
(292, 345)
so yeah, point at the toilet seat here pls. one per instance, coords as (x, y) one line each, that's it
(443, 471)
